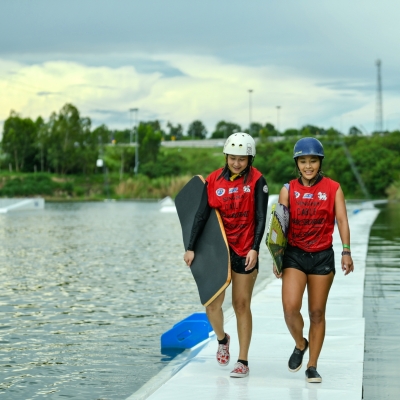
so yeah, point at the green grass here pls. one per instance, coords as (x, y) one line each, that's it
(174, 167)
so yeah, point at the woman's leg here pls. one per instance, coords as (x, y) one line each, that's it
(216, 316)
(318, 287)
(293, 286)
(242, 289)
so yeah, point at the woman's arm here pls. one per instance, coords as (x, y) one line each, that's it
(199, 222)
(261, 197)
(261, 207)
(344, 230)
(284, 196)
(283, 199)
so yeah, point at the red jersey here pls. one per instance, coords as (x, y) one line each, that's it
(235, 200)
(312, 214)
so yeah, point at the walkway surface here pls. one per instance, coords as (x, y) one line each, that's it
(198, 376)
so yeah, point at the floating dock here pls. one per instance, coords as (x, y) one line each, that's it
(195, 373)
(7, 205)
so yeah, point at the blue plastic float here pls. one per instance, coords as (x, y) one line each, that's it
(187, 333)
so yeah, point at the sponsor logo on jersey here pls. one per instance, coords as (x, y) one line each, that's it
(265, 189)
(220, 191)
(246, 189)
(296, 194)
(233, 190)
(308, 196)
(322, 196)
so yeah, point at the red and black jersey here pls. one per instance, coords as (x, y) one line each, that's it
(235, 200)
(230, 205)
(312, 214)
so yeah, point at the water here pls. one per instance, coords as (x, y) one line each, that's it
(86, 291)
(382, 307)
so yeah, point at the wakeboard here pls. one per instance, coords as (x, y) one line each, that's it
(278, 227)
(211, 267)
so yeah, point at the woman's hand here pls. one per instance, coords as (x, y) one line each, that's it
(347, 264)
(251, 260)
(279, 276)
(188, 257)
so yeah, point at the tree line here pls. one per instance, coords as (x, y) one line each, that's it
(67, 144)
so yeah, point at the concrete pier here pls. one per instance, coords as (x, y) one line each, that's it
(195, 374)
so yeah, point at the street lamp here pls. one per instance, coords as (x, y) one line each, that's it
(250, 92)
(277, 117)
(136, 110)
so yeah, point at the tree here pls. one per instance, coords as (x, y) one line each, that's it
(255, 129)
(102, 135)
(311, 130)
(197, 130)
(175, 132)
(19, 141)
(268, 130)
(155, 125)
(333, 134)
(70, 144)
(41, 154)
(354, 131)
(291, 132)
(123, 136)
(149, 142)
(224, 129)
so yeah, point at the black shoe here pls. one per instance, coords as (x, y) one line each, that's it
(312, 375)
(296, 359)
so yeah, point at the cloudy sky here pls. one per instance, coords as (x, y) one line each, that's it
(181, 60)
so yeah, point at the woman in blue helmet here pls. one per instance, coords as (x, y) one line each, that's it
(314, 201)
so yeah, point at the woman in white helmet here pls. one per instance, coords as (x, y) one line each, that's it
(240, 193)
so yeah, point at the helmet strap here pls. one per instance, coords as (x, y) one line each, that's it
(244, 172)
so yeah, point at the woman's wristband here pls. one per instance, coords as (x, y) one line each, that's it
(346, 246)
(346, 253)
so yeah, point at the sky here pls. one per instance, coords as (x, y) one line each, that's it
(287, 62)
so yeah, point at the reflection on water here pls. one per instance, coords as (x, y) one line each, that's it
(86, 291)
(382, 307)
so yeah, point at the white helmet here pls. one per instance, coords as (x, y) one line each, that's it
(240, 144)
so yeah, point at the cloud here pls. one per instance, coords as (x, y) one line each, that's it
(44, 93)
(201, 87)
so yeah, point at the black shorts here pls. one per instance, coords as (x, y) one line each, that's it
(238, 264)
(318, 263)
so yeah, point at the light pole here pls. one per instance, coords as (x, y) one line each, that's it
(250, 92)
(136, 169)
(277, 118)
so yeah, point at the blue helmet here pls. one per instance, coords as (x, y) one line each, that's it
(308, 146)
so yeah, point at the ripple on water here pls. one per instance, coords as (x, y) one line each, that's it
(87, 289)
(84, 299)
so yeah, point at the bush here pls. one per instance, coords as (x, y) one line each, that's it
(33, 185)
(28, 186)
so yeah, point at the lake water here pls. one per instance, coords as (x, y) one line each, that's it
(88, 288)
(86, 291)
(382, 307)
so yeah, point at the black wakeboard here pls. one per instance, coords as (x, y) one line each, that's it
(211, 267)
